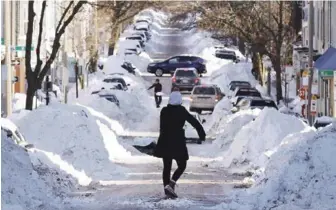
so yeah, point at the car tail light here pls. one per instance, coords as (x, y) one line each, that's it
(174, 79)
(196, 80)
(217, 97)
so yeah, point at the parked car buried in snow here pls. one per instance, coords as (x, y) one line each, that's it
(12, 132)
(323, 121)
(117, 80)
(253, 103)
(234, 84)
(110, 97)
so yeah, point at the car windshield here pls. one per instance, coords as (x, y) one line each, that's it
(234, 86)
(111, 98)
(248, 93)
(204, 91)
(263, 103)
(118, 80)
(185, 73)
(241, 83)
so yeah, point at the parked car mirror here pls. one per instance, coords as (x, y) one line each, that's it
(128, 84)
(203, 121)
(234, 109)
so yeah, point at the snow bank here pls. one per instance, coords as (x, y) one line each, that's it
(300, 175)
(257, 139)
(230, 126)
(74, 140)
(227, 73)
(19, 102)
(21, 186)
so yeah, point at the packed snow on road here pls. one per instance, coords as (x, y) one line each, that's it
(95, 151)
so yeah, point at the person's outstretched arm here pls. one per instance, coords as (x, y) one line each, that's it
(151, 87)
(197, 125)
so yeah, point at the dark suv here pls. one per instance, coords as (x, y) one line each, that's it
(182, 61)
(185, 79)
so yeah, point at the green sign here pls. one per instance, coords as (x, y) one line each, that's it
(22, 48)
(2, 41)
(326, 73)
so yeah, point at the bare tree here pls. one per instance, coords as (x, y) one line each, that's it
(36, 76)
(266, 26)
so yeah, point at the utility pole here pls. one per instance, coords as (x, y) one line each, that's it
(310, 61)
(76, 74)
(9, 85)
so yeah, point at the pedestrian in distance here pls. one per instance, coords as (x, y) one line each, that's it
(157, 92)
(171, 144)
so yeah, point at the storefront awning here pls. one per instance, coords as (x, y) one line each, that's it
(327, 60)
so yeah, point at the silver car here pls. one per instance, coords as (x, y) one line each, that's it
(205, 97)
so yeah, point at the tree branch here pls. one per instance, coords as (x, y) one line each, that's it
(63, 16)
(39, 39)
(56, 43)
(29, 37)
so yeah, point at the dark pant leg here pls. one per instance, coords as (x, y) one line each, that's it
(156, 99)
(159, 99)
(167, 165)
(181, 166)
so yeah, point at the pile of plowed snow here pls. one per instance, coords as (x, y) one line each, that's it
(21, 186)
(230, 125)
(299, 175)
(230, 72)
(256, 140)
(79, 143)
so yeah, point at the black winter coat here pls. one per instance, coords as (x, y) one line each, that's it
(157, 87)
(172, 141)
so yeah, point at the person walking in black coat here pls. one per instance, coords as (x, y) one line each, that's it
(171, 144)
(157, 88)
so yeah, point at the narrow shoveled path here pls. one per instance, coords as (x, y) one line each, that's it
(200, 187)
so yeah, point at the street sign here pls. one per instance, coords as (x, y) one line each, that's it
(305, 79)
(326, 73)
(21, 48)
(313, 105)
(315, 85)
(2, 41)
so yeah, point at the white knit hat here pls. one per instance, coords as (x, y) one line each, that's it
(175, 98)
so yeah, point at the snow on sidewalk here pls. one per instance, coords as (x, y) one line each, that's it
(74, 140)
(254, 143)
(22, 187)
(300, 175)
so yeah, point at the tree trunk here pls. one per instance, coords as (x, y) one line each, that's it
(30, 94)
(276, 62)
(241, 46)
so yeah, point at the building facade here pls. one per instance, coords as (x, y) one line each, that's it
(324, 36)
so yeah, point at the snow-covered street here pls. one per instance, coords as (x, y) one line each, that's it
(84, 154)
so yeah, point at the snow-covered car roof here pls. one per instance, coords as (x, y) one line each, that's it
(325, 119)
(6, 123)
(141, 25)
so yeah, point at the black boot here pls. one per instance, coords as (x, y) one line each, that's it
(170, 190)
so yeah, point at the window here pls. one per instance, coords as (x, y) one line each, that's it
(173, 60)
(204, 91)
(264, 103)
(185, 73)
